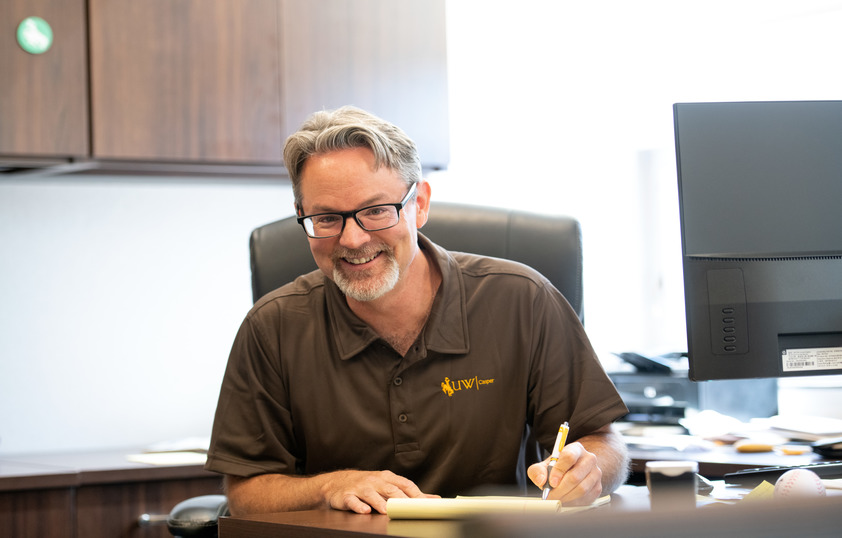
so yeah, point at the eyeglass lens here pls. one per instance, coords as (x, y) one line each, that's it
(370, 219)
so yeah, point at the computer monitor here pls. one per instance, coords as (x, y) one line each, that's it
(760, 197)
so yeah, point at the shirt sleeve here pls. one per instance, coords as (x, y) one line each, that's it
(252, 432)
(567, 381)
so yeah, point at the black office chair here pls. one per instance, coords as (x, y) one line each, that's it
(280, 252)
(552, 245)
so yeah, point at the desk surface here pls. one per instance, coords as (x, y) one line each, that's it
(628, 499)
(627, 515)
(335, 523)
(40, 471)
(714, 464)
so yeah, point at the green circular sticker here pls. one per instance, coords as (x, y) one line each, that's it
(35, 35)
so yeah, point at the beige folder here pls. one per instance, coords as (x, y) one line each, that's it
(464, 507)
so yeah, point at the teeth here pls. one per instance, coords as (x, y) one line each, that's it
(357, 261)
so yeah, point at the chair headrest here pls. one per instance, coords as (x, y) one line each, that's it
(550, 244)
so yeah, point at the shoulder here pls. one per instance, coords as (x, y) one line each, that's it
(304, 292)
(474, 265)
(499, 282)
(474, 273)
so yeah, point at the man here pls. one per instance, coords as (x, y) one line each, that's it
(399, 369)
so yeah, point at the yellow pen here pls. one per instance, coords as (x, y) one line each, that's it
(559, 444)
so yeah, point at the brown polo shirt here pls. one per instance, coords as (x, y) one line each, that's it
(310, 388)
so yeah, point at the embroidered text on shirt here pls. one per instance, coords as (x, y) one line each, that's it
(451, 386)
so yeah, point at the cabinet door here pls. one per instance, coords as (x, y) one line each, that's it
(185, 80)
(37, 513)
(112, 510)
(44, 97)
(385, 56)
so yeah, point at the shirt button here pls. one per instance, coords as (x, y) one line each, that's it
(398, 381)
(402, 417)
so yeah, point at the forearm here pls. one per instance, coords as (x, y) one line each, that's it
(357, 491)
(274, 493)
(612, 456)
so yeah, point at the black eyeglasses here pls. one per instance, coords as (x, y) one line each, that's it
(371, 219)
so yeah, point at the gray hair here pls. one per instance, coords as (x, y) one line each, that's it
(350, 127)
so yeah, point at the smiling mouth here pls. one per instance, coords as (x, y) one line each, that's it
(360, 261)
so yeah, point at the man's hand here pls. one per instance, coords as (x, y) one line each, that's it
(362, 491)
(356, 491)
(597, 464)
(576, 478)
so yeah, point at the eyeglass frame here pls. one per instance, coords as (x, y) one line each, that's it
(349, 214)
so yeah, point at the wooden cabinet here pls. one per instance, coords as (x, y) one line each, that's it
(93, 495)
(217, 82)
(44, 97)
(388, 57)
(112, 510)
(37, 513)
(186, 80)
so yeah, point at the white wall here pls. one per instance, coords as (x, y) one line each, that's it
(113, 289)
(566, 107)
(120, 299)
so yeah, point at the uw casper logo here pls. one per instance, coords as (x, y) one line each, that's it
(452, 386)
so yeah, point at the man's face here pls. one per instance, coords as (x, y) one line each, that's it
(365, 265)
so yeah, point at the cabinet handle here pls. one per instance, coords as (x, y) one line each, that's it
(150, 520)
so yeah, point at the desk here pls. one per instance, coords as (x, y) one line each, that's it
(92, 494)
(627, 516)
(714, 464)
(335, 523)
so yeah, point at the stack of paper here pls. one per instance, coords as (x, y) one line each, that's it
(465, 507)
(423, 508)
(808, 428)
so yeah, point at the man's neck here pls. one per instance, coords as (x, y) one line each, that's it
(400, 315)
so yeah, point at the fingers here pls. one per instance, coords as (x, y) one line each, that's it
(568, 457)
(364, 491)
(537, 472)
(354, 504)
(576, 478)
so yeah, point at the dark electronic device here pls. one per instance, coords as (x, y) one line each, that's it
(760, 185)
(659, 391)
(751, 478)
(646, 365)
(828, 448)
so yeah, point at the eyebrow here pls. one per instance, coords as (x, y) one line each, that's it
(374, 200)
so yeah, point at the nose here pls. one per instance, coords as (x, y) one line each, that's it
(353, 236)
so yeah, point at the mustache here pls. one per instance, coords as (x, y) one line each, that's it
(364, 252)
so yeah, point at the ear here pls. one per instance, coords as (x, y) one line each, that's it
(422, 203)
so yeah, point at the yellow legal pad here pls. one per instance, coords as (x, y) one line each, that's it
(465, 507)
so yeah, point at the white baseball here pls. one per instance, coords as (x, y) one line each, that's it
(799, 483)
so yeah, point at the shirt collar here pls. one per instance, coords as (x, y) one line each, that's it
(447, 327)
